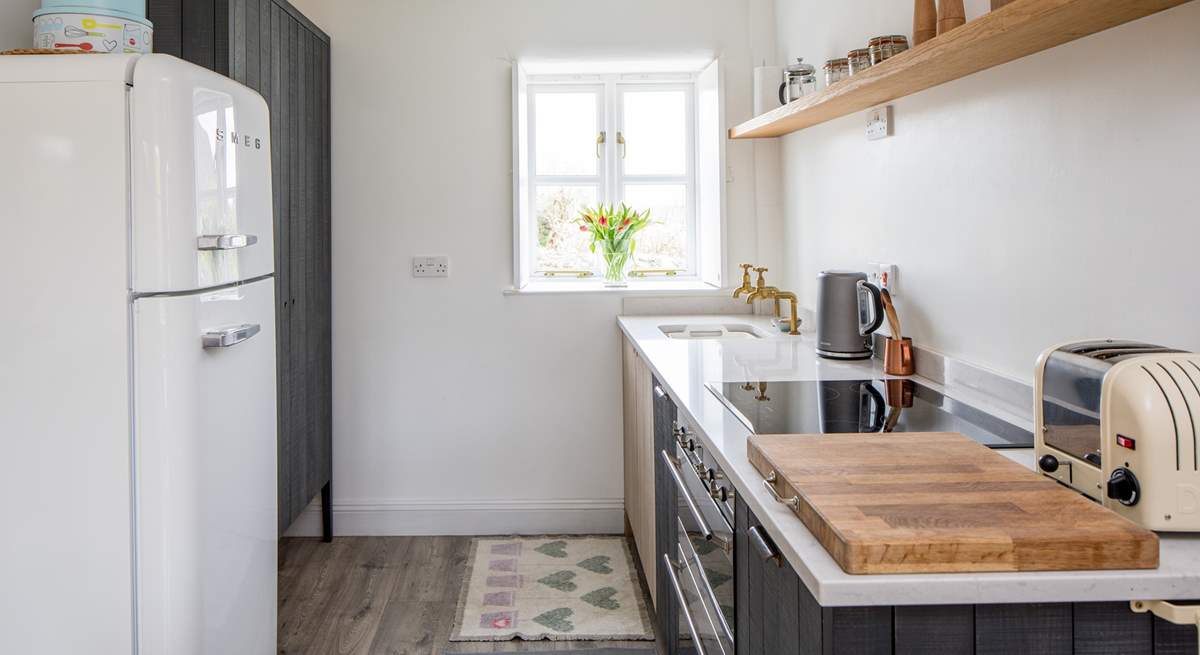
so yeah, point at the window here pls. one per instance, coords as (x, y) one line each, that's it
(645, 140)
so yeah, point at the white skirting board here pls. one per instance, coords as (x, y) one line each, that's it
(464, 517)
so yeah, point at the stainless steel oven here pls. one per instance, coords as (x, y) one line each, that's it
(701, 568)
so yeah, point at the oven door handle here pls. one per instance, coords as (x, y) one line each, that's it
(687, 497)
(673, 576)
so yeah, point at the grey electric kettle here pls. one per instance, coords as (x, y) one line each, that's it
(849, 309)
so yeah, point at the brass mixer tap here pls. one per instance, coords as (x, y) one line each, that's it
(764, 292)
(761, 291)
(794, 323)
(746, 286)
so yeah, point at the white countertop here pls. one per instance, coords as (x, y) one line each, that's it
(684, 367)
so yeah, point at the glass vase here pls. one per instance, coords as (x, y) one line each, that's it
(616, 263)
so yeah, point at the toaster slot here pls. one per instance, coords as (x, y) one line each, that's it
(1176, 385)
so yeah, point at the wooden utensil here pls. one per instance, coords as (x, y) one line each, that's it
(924, 21)
(889, 308)
(938, 502)
(951, 14)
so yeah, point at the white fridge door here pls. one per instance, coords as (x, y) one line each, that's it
(201, 178)
(205, 455)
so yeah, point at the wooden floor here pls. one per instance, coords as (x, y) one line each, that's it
(383, 596)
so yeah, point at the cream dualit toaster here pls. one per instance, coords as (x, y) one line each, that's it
(1118, 421)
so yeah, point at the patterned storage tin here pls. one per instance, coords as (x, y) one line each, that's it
(92, 32)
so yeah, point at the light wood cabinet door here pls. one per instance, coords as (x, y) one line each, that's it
(638, 458)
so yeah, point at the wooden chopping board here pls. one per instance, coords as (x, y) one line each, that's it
(937, 502)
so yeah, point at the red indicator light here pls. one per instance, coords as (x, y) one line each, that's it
(1125, 442)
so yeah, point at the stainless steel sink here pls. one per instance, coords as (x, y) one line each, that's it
(712, 331)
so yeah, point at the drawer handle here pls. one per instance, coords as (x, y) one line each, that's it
(225, 241)
(683, 605)
(760, 543)
(230, 336)
(793, 502)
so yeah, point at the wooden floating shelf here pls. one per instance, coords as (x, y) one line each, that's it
(1016, 30)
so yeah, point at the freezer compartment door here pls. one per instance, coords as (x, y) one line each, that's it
(201, 178)
(205, 443)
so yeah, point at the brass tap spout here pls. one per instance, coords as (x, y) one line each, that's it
(746, 286)
(791, 298)
(761, 293)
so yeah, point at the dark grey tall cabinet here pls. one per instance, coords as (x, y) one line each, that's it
(271, 47)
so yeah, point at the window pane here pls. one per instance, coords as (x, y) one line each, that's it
(663, 243)
(655, 132)
(565, 129)
(561, 246)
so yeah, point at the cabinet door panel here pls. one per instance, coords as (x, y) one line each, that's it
(272, 48)
(665, 505)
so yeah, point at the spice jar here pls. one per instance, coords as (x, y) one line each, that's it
(836, 70)
(886, 47)
(860, 60)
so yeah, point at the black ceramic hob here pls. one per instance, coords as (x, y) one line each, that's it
(858, 406)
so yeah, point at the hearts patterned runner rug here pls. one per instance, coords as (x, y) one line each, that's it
(556, 588)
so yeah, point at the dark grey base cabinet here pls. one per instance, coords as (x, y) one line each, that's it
(272, 48)
(776, 615)
(665, 506)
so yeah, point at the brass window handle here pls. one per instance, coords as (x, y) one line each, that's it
(601, 139)
(621, 144)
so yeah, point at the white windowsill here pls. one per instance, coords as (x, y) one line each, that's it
(672, 287)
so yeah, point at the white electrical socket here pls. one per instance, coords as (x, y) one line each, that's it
(431, 266)
(884, 276)
(879, 123)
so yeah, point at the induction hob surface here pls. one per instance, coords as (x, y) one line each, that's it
(862, 406)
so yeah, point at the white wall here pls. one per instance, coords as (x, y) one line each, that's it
(16, 23)
(456, 408)
(1049, 199)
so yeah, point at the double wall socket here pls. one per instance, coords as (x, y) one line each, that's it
(884, 276)
(431, 266)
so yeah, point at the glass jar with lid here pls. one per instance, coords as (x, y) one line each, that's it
(882, 48)
(836, 70)
(860, 60)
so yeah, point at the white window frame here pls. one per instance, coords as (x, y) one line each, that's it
(705, 218)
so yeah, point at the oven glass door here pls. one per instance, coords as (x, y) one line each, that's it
(706, 538)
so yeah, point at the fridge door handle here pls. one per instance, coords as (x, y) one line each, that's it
(225, 241)
(230, 336)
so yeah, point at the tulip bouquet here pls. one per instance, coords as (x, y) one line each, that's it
(613, 228)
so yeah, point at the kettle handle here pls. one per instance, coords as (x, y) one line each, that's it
(876, 308)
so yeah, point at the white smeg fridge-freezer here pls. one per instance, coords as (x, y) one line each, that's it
(137, 401)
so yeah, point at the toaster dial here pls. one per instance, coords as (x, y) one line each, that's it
(1123, 487)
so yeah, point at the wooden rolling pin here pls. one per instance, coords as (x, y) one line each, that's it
(951, 14)
(924, 21)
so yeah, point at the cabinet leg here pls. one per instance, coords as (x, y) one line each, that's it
(327, 512)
